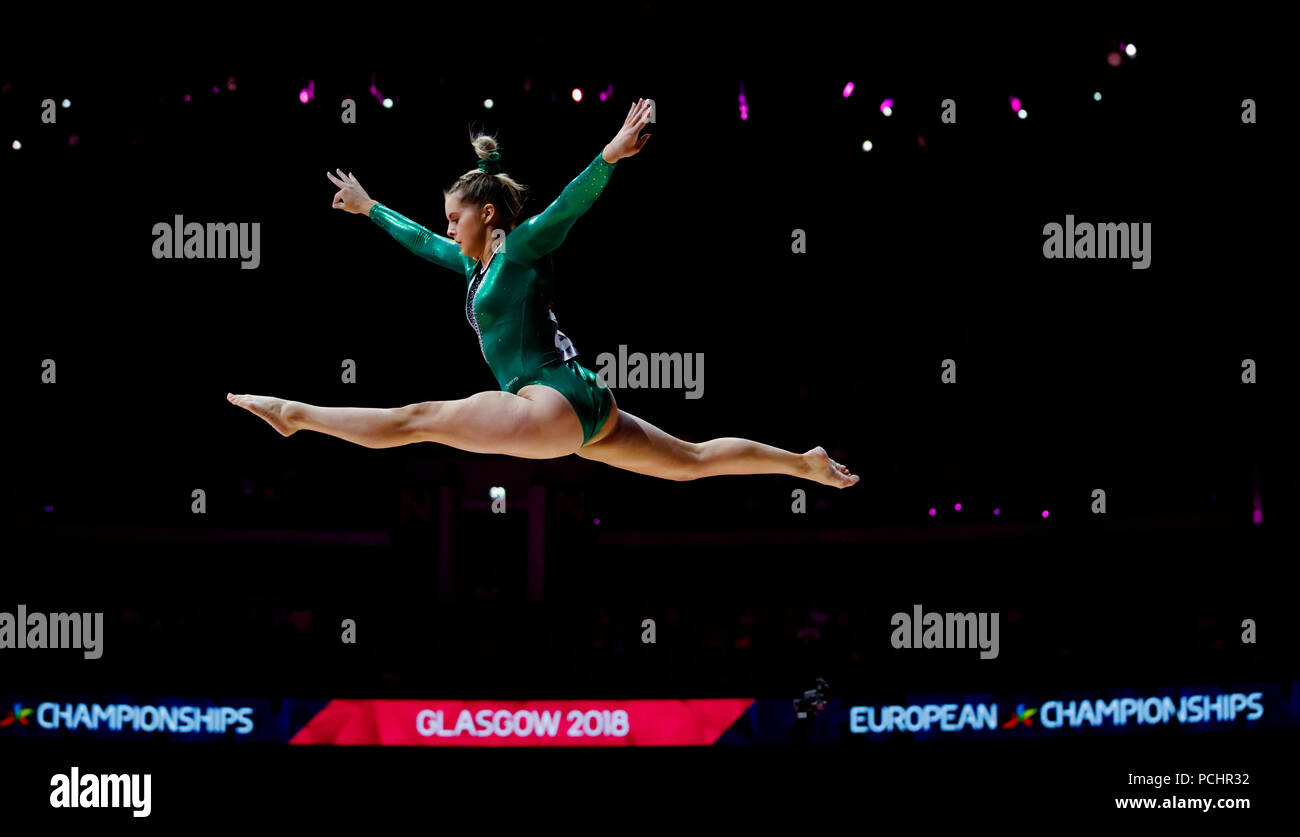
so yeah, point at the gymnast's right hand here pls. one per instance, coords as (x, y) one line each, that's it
(350, 196)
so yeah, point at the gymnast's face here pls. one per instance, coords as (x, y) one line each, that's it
(466, 225)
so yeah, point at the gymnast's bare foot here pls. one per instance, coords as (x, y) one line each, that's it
(269, 408)
(823, 469)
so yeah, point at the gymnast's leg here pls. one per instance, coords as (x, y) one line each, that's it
(538, 423)
(635, 444)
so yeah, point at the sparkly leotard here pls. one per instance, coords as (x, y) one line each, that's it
(508, 300)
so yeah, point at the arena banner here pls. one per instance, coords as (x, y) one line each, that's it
(1186, 709)
(121, 717)
(556, 723)
(653, 723)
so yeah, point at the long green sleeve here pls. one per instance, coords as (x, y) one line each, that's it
(423, 242)
(545, 231)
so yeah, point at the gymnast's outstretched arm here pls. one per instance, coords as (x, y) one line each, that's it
(423, 242)
(545, 231)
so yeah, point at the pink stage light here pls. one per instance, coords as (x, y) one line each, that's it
(848, 90)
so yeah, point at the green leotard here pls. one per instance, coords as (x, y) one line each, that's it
(509, 305)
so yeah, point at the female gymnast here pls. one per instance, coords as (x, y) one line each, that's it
(548, 405)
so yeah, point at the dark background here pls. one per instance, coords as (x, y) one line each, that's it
(1073, 375)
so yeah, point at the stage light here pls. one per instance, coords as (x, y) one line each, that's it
(595, 521)
(1015, 103)
(866, 145)
(230, 82)
(67, 103)
(887, 107)
(956, 507)
(932, 511)
(997, 512)
(1257, 516)
(186, 97)
(744, 104)
(487, 103)
(577, 95)
(73, 139)
(1131, 51)
(848, 90)
(388, 103)
(496, 492)
(17, 145)
(49, 508)
(1023, 113)
(302, 95)
(1044, 513)
(1113, 58)
(1096, 97)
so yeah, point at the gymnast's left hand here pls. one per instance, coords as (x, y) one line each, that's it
(626, 142)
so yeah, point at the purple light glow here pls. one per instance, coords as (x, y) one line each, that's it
(848, 90)
(932, 511)
(595, 521)
(1257, 516)
(51, 508)
(997, 512)
(886, 106)
(187, 97)
(302, 95)
(956, 507)
(1015, 103)
(1044, 513)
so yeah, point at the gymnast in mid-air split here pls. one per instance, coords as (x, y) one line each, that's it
(548, 405)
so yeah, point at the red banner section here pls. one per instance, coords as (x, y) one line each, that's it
(534, 723)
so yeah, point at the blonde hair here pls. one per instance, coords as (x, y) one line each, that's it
(481, 188)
